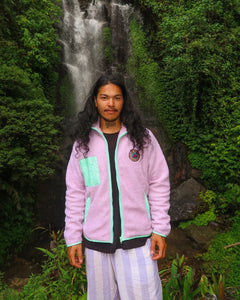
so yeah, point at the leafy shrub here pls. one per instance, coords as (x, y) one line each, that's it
(58, 277)
(184, 284)
(226, 260)
(58, 280)
(16, 223)
(229, 202)
(5, 293)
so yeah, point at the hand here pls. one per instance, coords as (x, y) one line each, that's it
(158, 246)
(75, 255)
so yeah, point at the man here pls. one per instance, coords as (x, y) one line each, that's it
(117, 197)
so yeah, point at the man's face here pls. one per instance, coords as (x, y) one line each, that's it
(109, 102)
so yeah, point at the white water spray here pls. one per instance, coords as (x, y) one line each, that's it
(82, 40)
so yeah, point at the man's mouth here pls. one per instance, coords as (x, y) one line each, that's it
(111, 111)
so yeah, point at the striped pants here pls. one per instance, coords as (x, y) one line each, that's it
(125, 274)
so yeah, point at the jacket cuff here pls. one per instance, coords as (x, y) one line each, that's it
(74, 244)
(159, 234)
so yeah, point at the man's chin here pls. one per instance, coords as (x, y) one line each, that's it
(109, 120)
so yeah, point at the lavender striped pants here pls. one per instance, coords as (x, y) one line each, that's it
(125, 274)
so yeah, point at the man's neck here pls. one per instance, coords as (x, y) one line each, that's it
(110, 126)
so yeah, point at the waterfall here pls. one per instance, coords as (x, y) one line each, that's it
(82, 40)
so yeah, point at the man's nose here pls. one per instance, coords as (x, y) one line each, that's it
(111, 101)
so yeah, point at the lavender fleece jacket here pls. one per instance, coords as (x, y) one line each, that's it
(143, 191)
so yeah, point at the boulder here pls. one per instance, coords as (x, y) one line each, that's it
(184, 199)
(201, 235)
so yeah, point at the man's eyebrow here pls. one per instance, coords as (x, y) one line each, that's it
(108, 95)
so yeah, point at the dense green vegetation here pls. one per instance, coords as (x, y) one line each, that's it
(29, 58)
(186, 67)
(223, 256)
(192, 80)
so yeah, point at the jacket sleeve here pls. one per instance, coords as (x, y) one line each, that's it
(75, 203)
(159, 189)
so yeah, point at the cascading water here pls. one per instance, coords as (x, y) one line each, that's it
(82, 40)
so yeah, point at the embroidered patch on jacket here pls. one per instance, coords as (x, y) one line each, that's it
(134, 155)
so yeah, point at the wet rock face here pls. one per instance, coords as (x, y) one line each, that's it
(179, 165)
(84, 4)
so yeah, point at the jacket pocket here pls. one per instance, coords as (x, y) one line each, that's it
(90, 170)
(87, 206)
(147, 206)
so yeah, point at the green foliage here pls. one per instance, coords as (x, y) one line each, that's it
(33, 22)
(58, 280)
(200, 220)
(206, 212)
(29, 128)
(16, 220)
(6, 293)
(28, 149)
(226, 260)
(229, 202)
(191, 55)
(29, 35)
(183, 283)
(108, 50)
(218, 286)
(213, 205)
(142, 68)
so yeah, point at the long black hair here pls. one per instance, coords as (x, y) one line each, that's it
(129, 116)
